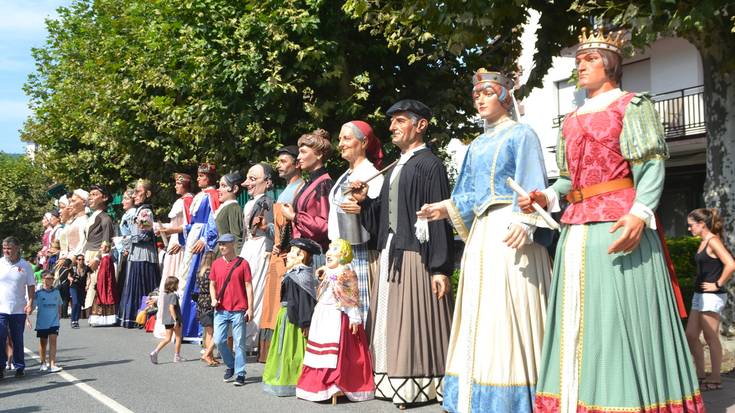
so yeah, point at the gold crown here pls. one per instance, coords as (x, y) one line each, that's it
(597, 39)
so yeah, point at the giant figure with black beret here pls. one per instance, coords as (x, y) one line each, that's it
(411, 307)
(99, 229)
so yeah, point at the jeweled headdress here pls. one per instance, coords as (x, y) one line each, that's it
(181, 178)
(207, 168)
(483, 76)
(597, 39)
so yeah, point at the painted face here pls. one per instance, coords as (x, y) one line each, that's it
(255, 181)
(694, 227)
(96, 199)
(350, 148)
(294, 257)
(44, 222)
(591, 70)
(287, 166)
(202, 180)
(224, 191)
(11, 252)
(333, 256)
(54, 221)
(104, 248)
(127, 202)
(488, 105)
(76, 204)
(308, 159)
(140, 194)
(404, 132)
(181, 189)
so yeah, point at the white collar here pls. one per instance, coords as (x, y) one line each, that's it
(601, 101)
(409, 153)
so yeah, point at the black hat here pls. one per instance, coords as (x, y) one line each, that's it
(100, 188)
(306, 245)
(411, 105)
(56, 213)
(292, 150)
(234, 178)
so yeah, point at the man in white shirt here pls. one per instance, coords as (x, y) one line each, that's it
(17, 287)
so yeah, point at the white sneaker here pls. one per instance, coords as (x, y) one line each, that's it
(44, 367)
(55, 369)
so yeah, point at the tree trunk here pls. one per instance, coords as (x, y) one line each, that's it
(719, 101)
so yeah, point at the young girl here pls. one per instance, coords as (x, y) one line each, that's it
(715, 266)
(170, 314)
(48, 302)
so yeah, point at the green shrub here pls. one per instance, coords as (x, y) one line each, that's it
(682, 250)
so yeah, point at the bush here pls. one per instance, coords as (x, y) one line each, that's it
(682, 251)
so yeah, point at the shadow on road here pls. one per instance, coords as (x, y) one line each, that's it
(35, 389)
(26, 409)
(91, 365)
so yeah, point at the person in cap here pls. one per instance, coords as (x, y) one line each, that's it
(363, 152)
(615, 340)
(411, 305)
(201, 237)
(231, 293)
(309, 212)
(100, 229)
(257, 246)
(287, 166)
(143, 272)
(498, 326)
(75, 228)
(298, 294)
(173, 232)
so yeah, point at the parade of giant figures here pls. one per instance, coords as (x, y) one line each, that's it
(342, 285)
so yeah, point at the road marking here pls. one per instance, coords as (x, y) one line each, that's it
(96, 394)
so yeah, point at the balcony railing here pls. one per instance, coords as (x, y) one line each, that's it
(681, 112)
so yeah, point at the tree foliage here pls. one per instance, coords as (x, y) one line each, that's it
(23, 201)
(138, 88)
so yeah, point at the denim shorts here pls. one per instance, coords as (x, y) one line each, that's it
(44, 333)
(709, 302)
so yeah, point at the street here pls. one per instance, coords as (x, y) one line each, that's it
(107, 368)
(112, 365)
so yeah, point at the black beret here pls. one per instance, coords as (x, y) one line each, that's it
(102, 190)
(234, 178)
(411, 105)
(292, 150)
(306, 245)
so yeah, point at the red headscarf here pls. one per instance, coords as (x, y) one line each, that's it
(374, 150)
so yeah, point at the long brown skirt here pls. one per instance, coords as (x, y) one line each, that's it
(271, 303)
(409, 334)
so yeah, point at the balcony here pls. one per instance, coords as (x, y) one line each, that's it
(681, 112)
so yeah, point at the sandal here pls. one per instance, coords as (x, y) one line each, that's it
(711, 385)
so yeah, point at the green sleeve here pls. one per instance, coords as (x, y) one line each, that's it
(648, 177)
(642, 137)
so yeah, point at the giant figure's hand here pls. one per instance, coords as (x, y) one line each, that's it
(440, 285)
(631, 236)
(433, 212)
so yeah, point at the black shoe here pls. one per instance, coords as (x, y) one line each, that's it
(229, 375)
(239, 381)
(75, 324)
(20, 373)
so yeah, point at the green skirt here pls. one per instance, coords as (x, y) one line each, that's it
(614, 341)
(285, 358)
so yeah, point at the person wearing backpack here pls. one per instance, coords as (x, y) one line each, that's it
(231, 290)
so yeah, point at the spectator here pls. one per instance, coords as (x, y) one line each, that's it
(16, 283)
(170, 315)
(715, 266)
(48, 302)
(231, 290)
(77, 282)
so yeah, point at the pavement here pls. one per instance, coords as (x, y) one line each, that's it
(107, 369)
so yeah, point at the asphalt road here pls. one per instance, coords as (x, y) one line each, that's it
(112, 364)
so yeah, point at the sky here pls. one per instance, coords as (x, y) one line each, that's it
(22, 27)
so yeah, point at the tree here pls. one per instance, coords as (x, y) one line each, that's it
(125, 89)
(23, 201)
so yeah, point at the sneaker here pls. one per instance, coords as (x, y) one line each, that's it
(239, 381)
(178, 358)
(55, 369)
(20, 373)
(44, 367)
(229, 375)
(75, 325)
(154, 358)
